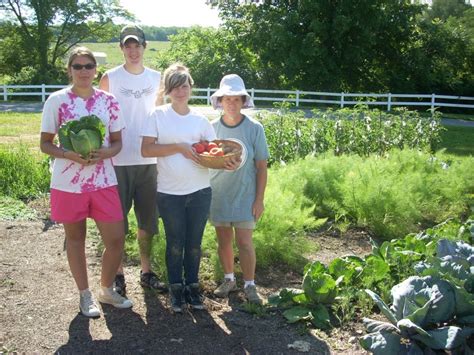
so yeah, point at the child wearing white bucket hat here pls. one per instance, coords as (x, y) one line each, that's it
(237, 195)
(231, 85)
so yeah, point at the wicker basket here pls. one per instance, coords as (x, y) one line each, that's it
(214, 162)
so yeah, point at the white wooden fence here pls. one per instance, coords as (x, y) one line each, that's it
(297, 97)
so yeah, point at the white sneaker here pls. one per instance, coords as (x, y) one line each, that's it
(252, 294)
(225, 287)
(87, 305)
(109, 296)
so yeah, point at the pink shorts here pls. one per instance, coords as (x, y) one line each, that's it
(102, 205)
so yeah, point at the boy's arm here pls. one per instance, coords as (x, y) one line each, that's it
(104, 83)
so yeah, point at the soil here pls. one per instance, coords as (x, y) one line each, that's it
(39, 306)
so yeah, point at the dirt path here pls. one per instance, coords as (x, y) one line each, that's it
(39, 311)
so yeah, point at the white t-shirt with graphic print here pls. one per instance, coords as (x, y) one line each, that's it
(63, 106)
(136, 94)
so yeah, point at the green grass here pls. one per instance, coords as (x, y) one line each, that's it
(18, 128)
(458, 140)
(115, 57)
(13, 124)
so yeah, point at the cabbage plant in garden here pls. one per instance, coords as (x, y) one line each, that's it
(440, 297)
(83, 135)
(433, 312)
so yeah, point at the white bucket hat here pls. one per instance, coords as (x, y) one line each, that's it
(231, 85)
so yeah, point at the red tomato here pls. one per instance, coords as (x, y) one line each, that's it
(199, 147)
(211, 145)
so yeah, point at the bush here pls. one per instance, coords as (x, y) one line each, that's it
(23, 174)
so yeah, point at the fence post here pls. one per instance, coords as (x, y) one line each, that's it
(342, 99)
(297, 101)
(433, 99)
(389, 102)
(5, 96)
(43, 93)
(252, 94)
(208, 98)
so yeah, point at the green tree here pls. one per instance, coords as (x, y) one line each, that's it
(210, 54)
(323, 45)
(441, 58)
(443, 9)
(50, 28)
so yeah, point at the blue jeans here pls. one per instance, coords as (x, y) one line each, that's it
(184, 218)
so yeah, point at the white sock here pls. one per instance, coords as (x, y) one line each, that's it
(249, 283)
(81, 292)
(230, 276)
(107, 290)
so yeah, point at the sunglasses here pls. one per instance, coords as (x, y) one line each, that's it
(88, 66)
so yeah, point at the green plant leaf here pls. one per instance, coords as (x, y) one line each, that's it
(320, 317)
(375, 269)
(447, 338)
(341, 267)
(373, 325)
(416, 314)
(383, 343)
(319, 288)
(314, 268)
(382, 306)
(408, 328)
(420, 290)
(297, 313)
(284, 297)
(464, 302)
(63, 134)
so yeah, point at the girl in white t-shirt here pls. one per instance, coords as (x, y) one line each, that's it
(86, 187)
(184, 193)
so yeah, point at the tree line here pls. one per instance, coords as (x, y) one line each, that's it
(324, 45)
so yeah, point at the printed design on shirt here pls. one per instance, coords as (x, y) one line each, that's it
(137, 94)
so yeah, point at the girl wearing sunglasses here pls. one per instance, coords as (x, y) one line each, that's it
(83, 187)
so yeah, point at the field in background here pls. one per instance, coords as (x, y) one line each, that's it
(114, 54)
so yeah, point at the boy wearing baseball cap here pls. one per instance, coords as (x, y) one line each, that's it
(136, 89)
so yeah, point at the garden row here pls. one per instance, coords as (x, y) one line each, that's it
(433, 310)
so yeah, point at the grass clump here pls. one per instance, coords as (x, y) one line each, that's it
(24, 174)
(12, 209)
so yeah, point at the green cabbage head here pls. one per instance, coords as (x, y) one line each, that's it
(83, 135)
